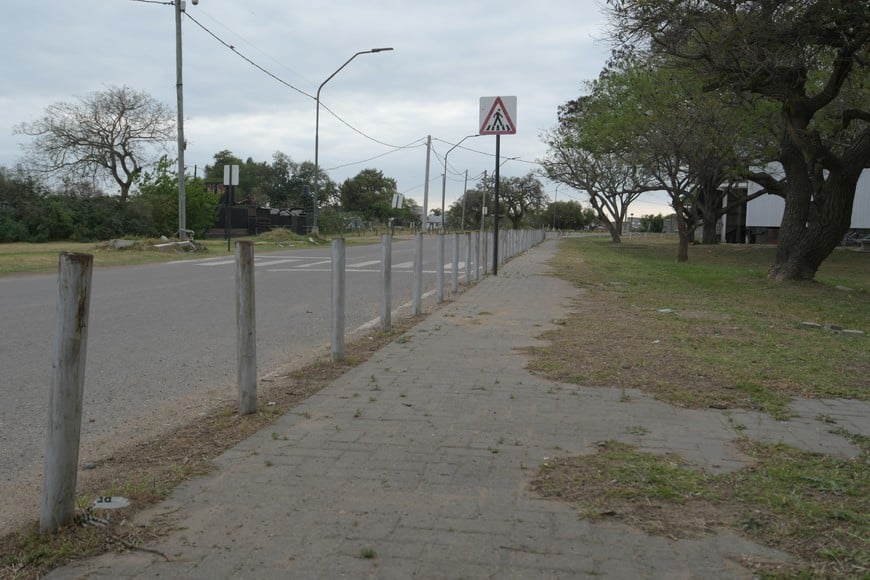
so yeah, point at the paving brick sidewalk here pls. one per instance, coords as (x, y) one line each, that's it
(423, 456)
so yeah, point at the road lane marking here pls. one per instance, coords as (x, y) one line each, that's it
(364, 264)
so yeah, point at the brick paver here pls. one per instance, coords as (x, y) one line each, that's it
(424, 453)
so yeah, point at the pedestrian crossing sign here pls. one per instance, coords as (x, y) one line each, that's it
(498, 115)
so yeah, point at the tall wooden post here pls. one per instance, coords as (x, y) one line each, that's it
(67, 391)
(246, 329)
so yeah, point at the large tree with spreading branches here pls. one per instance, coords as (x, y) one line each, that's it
(811, 58)
(107, 135)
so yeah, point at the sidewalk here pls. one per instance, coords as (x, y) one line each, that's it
(423, 456)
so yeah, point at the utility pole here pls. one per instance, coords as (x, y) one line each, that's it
(179, 92)
(426, 184)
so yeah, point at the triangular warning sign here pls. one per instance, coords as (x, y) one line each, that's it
(498, 120)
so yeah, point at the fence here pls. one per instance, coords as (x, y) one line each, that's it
(74, 281)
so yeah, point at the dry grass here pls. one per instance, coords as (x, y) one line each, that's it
(809, 505)
(713, 332)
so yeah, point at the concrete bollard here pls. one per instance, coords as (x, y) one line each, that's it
(386, 281)
(338, 274)
(417, 298)
(439, 269)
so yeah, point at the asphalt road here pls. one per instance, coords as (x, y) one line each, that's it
(166, 332)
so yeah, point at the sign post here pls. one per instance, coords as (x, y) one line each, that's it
(497, 117)
(231, 179)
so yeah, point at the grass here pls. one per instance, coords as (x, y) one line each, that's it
(715, 333)
(712, 332)
(810, 505)
(21, 258)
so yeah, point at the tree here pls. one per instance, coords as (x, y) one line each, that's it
(110, 134)
(611, 183)
(521, 196)
(569, 215)
(652, 223)
(156, 203)
(808, 57)
(474, 199)
(370, 194)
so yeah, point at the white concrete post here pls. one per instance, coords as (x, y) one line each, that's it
(417, 299)
(468, 258)
(386, 281)
(439, 269)
(246, 328)
(67, 391)
(476, 256)
(454, 287)
(338, 258)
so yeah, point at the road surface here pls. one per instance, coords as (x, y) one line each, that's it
(162, 336)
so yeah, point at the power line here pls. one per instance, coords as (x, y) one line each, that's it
(384, 154)
(283, 82)
(245, 58)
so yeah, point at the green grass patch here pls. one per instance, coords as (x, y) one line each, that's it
(813, 506)
(713, 332)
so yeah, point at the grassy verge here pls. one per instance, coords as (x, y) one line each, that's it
(812, 506)
(22, 258)
(713, 332)
(148, 472)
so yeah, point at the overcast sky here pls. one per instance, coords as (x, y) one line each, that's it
(446, 56)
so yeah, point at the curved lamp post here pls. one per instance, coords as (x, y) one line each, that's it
(314, 228)
(444, 177)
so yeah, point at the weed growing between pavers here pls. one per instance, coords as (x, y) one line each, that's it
(810, 505)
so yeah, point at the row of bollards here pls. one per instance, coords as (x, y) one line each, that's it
(68, 372)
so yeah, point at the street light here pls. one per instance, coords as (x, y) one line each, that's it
(555, 199)
(314, 228)
(444, 176)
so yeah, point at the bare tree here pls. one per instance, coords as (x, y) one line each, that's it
(109, 134)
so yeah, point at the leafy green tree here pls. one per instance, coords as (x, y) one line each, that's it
(369, 194)
(20, 204)
(157, 202)
(652, 223)
(811, 59)
(520, 198)
(474, 200)
(569, 215)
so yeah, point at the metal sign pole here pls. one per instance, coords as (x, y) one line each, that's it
(495, 217)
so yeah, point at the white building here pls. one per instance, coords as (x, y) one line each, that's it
(764, 214)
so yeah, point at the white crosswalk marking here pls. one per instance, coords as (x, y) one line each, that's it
(364, 264)
(275, 262)
(293, 265)
(315, 264)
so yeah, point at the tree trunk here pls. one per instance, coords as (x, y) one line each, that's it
(683, 230)
(711, 208)
(812, 227)
(615, 231)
